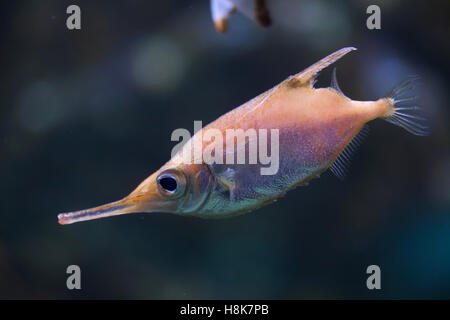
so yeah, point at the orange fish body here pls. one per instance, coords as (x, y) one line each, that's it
(314, 129)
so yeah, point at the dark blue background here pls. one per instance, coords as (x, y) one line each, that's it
(87, 115)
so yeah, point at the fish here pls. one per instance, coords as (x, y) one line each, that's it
(255, 9)
(318, 129)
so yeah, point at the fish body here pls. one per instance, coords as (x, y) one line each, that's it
(311, 136)
(315, 128)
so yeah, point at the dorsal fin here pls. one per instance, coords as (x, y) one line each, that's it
(334, 83)
(308, 76)
(342, 163)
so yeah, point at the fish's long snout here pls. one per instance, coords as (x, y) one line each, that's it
(145, 198)
(111, 209)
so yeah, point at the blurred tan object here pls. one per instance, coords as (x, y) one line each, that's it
(254, 9)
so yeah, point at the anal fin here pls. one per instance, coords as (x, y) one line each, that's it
(341, 165)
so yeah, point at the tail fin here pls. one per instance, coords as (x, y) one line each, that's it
(406, 114)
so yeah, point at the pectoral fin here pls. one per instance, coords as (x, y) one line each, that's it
(227, 180)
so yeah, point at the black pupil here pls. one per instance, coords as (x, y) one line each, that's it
(168, 183)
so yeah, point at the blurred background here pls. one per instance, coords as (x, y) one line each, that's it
(86, 115)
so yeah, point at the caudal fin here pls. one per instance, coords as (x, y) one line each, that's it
(405, 113)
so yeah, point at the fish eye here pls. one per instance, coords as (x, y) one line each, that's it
(168, 183)
(171, 183)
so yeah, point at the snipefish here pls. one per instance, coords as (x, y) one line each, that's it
(317, 129)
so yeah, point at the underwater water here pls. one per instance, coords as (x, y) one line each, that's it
(87, 114)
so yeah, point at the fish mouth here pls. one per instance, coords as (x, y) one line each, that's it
(123, 206)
